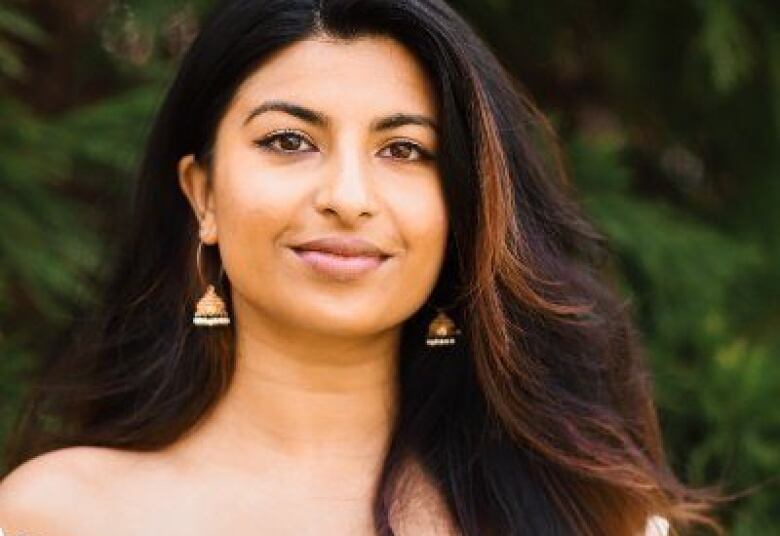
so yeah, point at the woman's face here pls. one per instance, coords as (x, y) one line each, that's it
(327, 139)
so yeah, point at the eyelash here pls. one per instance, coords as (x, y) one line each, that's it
(266, 144)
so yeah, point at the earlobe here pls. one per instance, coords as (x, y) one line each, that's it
(193, 180)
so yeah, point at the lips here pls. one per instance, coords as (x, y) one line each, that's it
(342, 246)
(343, 259)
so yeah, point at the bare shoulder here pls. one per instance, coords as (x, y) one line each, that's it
(51, 493)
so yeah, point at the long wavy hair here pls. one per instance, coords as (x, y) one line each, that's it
(539, 421)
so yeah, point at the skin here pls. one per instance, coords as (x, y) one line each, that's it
(296, 444)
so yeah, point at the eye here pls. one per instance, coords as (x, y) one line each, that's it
(286, 141)
(402, 151)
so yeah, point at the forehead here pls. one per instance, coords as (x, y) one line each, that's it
(367, 73)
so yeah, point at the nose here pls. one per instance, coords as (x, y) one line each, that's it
(346, 189)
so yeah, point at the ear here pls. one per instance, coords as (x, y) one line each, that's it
(193, 180)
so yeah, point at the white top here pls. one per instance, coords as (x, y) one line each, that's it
(656, 526)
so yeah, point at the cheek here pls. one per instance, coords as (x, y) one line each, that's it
(423, 220)
(421, 217)
(253, 208)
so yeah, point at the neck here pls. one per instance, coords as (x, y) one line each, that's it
(304, 395)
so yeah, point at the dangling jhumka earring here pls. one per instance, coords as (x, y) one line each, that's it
(442, 330)
(210, 310)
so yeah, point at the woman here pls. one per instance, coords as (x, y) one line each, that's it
(398, 328)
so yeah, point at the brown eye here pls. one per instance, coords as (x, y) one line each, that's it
(284, 142)
(405, 151)
(289, 142)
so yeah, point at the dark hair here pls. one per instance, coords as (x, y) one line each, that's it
(541, 419)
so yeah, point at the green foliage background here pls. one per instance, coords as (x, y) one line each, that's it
(670, 116)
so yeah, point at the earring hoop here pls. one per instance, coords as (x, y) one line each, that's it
(201, 277)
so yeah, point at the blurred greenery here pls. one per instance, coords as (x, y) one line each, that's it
(670, 116)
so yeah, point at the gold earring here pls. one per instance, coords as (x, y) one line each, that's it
(442, 330)
(210, 310)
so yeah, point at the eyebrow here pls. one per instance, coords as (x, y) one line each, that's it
(321, 120)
